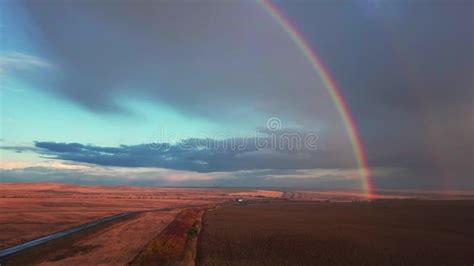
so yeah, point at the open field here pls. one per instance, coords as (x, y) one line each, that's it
(34, 209)
(176, 244)
(31, 210)
(386, 232)
(270, 226)
(353, 195)
(115, 243)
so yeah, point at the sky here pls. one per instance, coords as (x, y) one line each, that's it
(217, 93)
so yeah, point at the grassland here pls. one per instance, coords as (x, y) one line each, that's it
(176, 244)
(30, 210)
(283, 231)
(387, 232)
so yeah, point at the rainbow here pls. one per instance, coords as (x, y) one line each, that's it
(330, 87)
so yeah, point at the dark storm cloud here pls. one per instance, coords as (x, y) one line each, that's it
(222, 53)
(200, 155)
(406, 71)
(404, 68)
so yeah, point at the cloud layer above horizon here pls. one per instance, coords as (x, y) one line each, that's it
(91, 83)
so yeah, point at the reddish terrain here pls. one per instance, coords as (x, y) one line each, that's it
(385, 232)
(176, 244)
(113, 245)
(328, 225)
(31, 210)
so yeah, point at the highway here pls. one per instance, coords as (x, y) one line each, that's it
(31, 243)
(38, 241)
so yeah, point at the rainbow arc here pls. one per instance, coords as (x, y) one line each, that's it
(331, 88)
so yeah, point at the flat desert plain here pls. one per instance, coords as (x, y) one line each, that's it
(269, 226)
(30, 210)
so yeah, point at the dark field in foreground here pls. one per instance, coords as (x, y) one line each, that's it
(391, 232)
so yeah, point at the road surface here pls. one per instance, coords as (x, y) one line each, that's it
(28, 244)
(38, 241)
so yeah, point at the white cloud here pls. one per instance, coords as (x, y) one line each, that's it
(21, 61)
